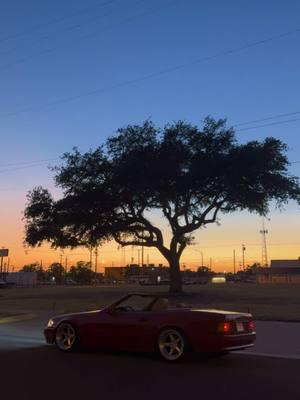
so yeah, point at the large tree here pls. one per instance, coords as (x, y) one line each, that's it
(190, 175)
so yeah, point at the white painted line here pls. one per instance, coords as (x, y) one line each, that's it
(270, 355)
(17, 318)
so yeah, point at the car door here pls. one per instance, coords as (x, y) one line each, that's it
(132, 331)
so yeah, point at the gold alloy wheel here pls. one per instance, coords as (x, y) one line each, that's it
(65, 336)
(171, 344)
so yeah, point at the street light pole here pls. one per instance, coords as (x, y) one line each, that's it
(234, 261)
(243, 252)
(139, 257)
(66, 264)
(96, 260)
(91, 257)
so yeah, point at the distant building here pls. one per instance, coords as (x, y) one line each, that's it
(115, 273)
(24, 279)
(285, 264)
(134, 273)
(280, 271)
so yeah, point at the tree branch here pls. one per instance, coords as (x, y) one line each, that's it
(123, 243)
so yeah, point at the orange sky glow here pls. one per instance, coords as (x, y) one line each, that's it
(215, 242)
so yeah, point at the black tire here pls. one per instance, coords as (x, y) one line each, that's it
(66, 337)
(172, 345)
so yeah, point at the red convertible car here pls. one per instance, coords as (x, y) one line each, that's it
(143, 322)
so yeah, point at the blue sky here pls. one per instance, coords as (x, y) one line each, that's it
(51, 51)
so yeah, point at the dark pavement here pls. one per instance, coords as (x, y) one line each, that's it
(280, 339)
(31, 370)
(45, 373)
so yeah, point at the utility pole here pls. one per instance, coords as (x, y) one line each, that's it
(143, 249)
(66, 264)
(132, 257)
(139, 257)
(96, 260)
(264, 255)
(243, 253)
(60, 259)
(91, 257)
(202, 265)
(123, 257)
(210, 264)
(148, 260)
(234, 261)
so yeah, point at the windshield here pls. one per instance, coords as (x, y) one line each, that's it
(135, 303)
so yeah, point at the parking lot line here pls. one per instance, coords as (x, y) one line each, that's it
(17, 318)
(270, 355)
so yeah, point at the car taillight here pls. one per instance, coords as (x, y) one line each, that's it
(251, 326)
(224, 327)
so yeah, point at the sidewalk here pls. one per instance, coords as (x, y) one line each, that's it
(279, 339)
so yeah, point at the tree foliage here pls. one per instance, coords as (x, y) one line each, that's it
(57, 271)
(35, 267)
(190, 174)
(82, 273)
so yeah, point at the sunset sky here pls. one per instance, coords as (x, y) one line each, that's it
(70, 76)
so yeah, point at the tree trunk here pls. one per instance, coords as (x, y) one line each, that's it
(175, 275)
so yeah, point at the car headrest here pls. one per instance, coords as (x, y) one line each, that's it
(160, 305)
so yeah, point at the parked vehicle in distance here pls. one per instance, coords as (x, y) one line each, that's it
(3, 284)
(218, 279)
(195, 281)
(145, 323)
(70, 281)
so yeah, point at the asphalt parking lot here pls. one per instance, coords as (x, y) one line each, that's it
(31, 370)
(45, 373)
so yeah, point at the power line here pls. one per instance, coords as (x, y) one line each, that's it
(21, 168)
(267, 118)
(67, 45)
(54, 21)
(270, 124)
(37, 163)
(238, 244)
(152, 75)
(67, 29)
(42, 165)
(28, 162)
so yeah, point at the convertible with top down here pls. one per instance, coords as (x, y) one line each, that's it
(146, 323)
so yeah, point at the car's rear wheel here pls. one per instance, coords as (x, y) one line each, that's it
(66, 338)
(172, 345)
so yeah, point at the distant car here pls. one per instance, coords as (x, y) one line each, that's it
(3, 284)
(70, 281)
(218, 279)
(145, 323)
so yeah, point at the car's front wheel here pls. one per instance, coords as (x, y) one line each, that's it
(66, 338)
(172, 345)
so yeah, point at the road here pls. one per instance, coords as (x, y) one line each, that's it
(30, 370)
